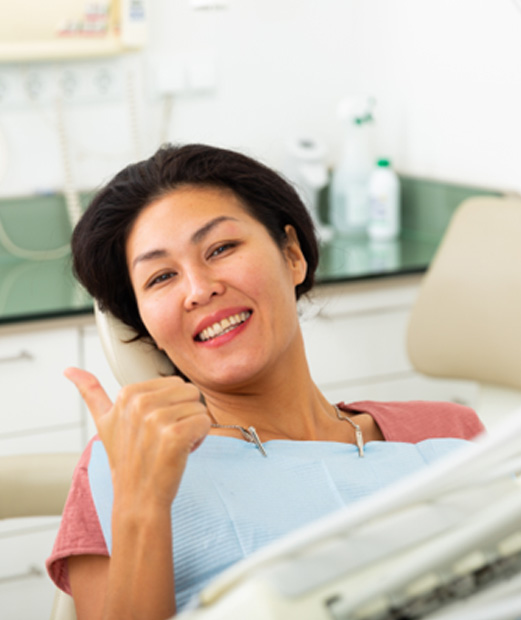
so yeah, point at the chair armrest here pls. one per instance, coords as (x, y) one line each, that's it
(35, 484)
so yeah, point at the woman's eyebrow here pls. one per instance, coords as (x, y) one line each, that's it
(201, 233)
(197, 237)
(153, 254)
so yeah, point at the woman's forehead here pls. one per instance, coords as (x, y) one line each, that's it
(192, 202)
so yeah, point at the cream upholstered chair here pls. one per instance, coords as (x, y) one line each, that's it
(34, 485)
(466, 321)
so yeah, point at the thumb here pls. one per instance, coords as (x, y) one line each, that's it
(91, 391)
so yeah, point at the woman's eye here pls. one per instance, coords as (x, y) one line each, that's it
(161, 278)
(222, 248)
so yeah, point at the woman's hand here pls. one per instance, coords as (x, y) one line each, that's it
(148, 433)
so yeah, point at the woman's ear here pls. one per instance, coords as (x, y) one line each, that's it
(294, 255)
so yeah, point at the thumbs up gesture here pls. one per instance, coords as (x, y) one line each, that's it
(148, 433)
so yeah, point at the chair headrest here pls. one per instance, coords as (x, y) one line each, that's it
(131, 360)
(466, 322)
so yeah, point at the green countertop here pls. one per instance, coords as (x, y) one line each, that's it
(42, 289)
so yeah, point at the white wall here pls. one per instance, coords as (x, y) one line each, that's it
(446, 75)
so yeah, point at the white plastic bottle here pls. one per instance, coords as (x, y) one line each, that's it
(384, 202)
(349, 190)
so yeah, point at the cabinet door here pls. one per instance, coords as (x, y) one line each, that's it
(36, 397)
(26, 592)
(347, 347)
(356, 333)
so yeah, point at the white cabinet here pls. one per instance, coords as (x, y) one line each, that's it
(40, 411)
(37, 400)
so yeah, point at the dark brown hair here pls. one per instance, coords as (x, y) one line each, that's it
(99, 240)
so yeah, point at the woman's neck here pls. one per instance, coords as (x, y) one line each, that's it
(290, 409)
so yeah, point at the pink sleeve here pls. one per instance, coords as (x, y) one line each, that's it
(80, 531)
(416, 420)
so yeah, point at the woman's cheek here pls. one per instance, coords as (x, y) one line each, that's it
(160, 319)
(253, 278)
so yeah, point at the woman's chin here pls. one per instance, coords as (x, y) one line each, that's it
(230, 379)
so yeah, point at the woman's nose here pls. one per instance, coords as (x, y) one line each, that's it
(201, 286)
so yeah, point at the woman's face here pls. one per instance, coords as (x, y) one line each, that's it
(213, 289)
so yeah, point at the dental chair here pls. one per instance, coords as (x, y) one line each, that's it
(36, 485)
(466, 321)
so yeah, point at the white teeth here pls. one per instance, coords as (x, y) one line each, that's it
(224, 326)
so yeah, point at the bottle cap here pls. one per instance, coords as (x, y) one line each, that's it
(383, 163)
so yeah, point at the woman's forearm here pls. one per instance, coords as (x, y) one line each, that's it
(141, 573)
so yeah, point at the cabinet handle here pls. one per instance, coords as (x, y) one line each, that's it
(20, 357)
(329, 315)
(461, 401)
(32, 571)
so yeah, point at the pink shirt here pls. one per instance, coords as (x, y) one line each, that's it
(409, 422)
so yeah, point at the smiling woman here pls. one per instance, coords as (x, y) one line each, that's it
(263, 194)
(205, 252)
(213, 288)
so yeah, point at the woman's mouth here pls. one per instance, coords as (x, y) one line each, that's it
(223, 327)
